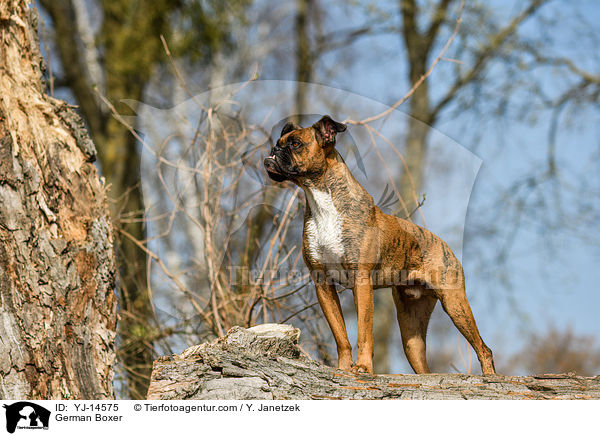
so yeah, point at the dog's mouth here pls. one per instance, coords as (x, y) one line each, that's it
(273, 169)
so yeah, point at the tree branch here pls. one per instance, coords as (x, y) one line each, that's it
(564, 62)
(421, 79)
(486, 53)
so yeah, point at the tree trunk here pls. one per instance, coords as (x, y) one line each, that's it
(265, 363)
(57, 302)
(304, 62)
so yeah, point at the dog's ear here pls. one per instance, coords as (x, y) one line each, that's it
(326, 129)
(289, 127)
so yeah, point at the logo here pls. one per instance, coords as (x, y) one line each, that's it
(26, 415)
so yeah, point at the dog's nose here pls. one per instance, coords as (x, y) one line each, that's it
(271, 165)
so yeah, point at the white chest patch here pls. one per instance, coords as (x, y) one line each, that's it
(324, 228)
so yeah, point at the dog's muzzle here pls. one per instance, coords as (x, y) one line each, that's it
(273, 169)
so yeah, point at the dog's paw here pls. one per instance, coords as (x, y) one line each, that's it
(345, 367)
(361, 369)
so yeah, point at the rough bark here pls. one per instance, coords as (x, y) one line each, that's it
(57, 302)
(265, 362)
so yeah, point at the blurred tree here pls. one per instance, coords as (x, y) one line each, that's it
(556, 352)
(119, 61)
(304, 55)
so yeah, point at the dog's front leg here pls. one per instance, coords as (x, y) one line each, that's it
(363, 300)
(330, 304)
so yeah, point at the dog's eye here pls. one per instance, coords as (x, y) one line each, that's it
(295, 143)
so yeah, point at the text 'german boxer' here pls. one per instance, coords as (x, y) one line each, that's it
(348, 241)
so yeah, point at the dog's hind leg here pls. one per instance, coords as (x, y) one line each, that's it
(414, 309)
(456, 305)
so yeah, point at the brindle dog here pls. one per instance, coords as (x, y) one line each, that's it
(349, 241)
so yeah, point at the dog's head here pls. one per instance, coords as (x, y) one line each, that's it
(302, 152)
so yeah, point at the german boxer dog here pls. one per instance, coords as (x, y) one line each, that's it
(348, 241)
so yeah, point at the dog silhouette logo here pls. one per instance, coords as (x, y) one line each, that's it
(26, 415)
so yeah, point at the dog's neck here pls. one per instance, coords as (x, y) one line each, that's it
(337, 180)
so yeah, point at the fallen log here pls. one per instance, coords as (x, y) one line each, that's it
(266, 363)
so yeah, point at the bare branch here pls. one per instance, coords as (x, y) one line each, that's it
(421, 79)
(564, 62)
(486, 53)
